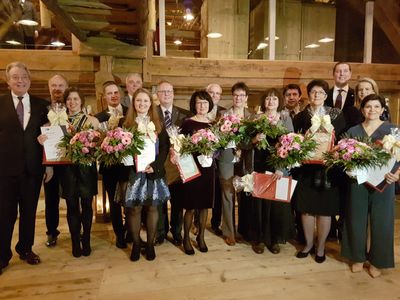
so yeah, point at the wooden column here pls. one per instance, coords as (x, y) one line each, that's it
(45, 16)
(368, 31)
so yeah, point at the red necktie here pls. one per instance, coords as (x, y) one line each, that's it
(338, 102)
(20, 111)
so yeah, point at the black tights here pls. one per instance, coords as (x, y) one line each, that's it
(187, 222)
(79, 212)
(135, 221)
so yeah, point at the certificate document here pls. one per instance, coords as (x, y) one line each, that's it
(146, 156)
(376, 175)
(53, 154)
(187, 168)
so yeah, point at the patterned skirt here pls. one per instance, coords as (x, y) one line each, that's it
(144, 191)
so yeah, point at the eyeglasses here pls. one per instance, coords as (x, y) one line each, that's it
(239, 95)
(274, 98)
(166, 92)
(16, 77)
(317, 93)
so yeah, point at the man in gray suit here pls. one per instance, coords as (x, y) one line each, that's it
(133, 82)
(170, 115)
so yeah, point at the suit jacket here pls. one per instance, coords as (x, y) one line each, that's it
(104, 115)
(28, 12)
(177, 116)
(20, 152)
(126, 101)
(351, 114)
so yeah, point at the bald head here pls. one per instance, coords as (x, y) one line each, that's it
(57, 86)
(133, 82)
(215, 92)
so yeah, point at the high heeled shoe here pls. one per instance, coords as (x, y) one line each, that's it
(150, 252)
(302, 254)
(203, 248)
(86, 249)
(135, 254)
(320, 259)
(188, 251)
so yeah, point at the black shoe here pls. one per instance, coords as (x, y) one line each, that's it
(203, 248)
(51, 240)
(86, 249)
(302, 254)
(159, 240)
(135, 254)
(121, 243)
(177, 240)
(30, 257)
(320, 259)
(217, 231)
(2, 266)
(150, 252)
(188, 250)
(274, 248)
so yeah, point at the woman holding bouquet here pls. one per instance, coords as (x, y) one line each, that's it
(146, 188)
(79, 182)
(198, 194)
(367, 205)
(266, 222)
(317, 193)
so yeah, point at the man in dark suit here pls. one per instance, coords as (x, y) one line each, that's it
(133, 82)
(111, 175)
(57, 86)
(21, 172)
(28, 12)
(342, 96)
(170, 115)
(215, 92)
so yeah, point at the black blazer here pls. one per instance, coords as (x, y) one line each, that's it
(178, 115)
(351, 114)
(20, 151)
(104, 115)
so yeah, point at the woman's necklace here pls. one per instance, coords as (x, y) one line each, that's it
(202, 120)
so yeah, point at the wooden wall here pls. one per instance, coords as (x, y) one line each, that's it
(189, 74)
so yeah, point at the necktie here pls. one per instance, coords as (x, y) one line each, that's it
(20, 111)
(338, 102)
(167, 119)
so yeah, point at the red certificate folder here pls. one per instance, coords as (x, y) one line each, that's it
(380, 187)
(187, 168)
(266, 187)
(61, 161)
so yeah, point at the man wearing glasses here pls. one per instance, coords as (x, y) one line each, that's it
(170, 115)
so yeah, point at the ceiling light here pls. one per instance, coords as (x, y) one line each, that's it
(276, 38)
(27, 22)
(262, 46)
(188, 15)
(169, 23)
(326, 40)
(214, 35)
(178, 42)
(312, 46)
(57, 44)
(13, 42)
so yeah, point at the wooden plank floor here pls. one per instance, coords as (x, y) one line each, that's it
(222, 273)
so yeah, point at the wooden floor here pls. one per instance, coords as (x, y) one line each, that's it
(222, 273)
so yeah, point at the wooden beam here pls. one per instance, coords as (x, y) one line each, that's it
(79, 3)
(87, 11)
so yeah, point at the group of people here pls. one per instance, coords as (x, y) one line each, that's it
(139, 199)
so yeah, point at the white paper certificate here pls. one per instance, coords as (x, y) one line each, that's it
(146, 156)
(54, 136)
(187, 168)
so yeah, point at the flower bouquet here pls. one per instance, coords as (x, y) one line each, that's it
(352, 154)
(227, 129)
(266, 125)
(57, 114)
(118, 143)
(204, 142)
(82, 147)
(291, 150)
(391, 143)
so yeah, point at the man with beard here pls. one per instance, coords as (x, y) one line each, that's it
(57, 86)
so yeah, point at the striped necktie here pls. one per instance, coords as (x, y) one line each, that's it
(167, 119)
(20, 111)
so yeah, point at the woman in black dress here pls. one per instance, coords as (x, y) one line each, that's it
(79, 183)
(267, 222)
(147, 188)
(317, 192)
(366, 205)
(198, 194)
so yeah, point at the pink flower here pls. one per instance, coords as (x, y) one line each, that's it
(126, 141)
(195, 139)
(85, 150)
(346, 156)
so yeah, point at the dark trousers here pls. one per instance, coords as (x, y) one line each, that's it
(52, 203)
(176, 209)
(110, 185)
(18, 192)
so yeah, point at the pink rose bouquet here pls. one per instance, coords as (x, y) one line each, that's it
(227, 130)
(291, 150)
(119, 143)
(351, 154)
(203, 141)
(81, 147)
